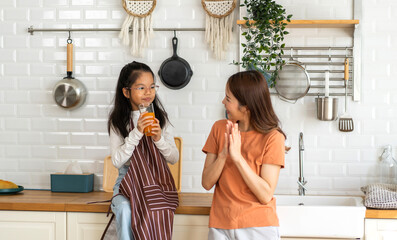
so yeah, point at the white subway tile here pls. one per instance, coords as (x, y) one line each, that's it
(56, 138)
(97, 42)
(31, 165)
(346, 183)
(103, 139)
(95, 125)
(182, 125)
(98, 153)
(42, 41)
(83, 2)
(30, 138)
(83, 139)
(193, 139)
(85, 56)
(7, 55)
(8, 110)
(17, 14)
(362, 141)
(191, 112)
(202, 126)
(207, 98)
(22, 151)
(42, 69)
(54, 111)
(346, 155)
(16, 69)
(363, 170)
(56, 166)
(97, 70)
(40, 96)
(8, 166)
(96, 14)
(65, 124)
(178, 97)
(69, 14)
(332, 170)
(47, 151)
(8, 137)
(186, 182)
(42, 14)
(29, 83)
(193, 167)
(17, 123)
(70, 152)
(318, 183)
(109, 56)
(97, 97)
(43, 124)
(330, 141)
(7, 28)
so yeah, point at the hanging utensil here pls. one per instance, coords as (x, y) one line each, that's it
(327, 107)
(175, 72)
(293, 81)
(69, 93)
(346, 121)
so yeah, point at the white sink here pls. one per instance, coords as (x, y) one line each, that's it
(321, 216)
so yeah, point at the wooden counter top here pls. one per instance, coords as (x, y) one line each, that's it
(36, 200)
(376, 213)
(189, 203)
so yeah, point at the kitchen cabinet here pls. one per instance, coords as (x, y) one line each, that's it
(380, 229)
(32, 225)
(192, 227)
(86, 226)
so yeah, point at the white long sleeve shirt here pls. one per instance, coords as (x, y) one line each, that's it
(121, 150)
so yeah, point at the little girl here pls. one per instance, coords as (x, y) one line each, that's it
(145, 190)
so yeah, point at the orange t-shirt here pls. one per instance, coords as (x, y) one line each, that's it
(234, 205)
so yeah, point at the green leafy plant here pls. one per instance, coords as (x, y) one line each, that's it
(264, 37)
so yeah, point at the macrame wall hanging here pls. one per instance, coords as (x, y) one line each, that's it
(219, 24)
(140, 20)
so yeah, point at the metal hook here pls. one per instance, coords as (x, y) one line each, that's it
(174, 33)
(329, 54)
(69, 41)
(291, 53)
(346, 52)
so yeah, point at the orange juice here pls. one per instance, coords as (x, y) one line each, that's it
(148, 130)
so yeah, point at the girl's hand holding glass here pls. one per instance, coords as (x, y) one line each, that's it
(156, 130)
(144, 122)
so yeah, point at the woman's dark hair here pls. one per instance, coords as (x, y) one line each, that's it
(120, 115)
(251, 90)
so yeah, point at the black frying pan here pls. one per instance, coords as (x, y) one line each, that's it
(175, 72)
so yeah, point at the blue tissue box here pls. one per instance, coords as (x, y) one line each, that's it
(72, 182)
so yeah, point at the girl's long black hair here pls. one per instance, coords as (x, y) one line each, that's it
(120, 115)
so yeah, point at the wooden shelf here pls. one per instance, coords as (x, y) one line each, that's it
(316, 23)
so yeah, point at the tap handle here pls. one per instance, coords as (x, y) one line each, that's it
(302, 184)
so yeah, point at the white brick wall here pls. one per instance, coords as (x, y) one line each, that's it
(38, 138)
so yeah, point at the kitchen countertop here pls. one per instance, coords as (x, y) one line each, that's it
(41, 200)
(189, 203)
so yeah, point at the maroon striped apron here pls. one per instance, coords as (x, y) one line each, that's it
(151, 190)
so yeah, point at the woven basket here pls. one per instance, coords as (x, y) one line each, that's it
(219, 8)
(139, 8)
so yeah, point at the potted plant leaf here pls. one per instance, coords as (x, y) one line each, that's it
(263, 48)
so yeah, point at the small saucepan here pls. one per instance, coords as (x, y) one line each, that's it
(69, 93)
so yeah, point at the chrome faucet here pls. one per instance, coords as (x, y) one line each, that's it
(301, 179)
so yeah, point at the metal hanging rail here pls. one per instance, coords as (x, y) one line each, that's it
(31, 30)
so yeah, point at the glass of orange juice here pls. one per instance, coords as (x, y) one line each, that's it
(147, 111)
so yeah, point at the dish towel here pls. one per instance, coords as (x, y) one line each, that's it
(380, 195)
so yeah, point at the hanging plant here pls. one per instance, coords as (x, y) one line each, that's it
(264, 37)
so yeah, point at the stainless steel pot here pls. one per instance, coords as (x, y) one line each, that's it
(69, 93)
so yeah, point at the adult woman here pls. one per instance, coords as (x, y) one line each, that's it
(244, 156)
